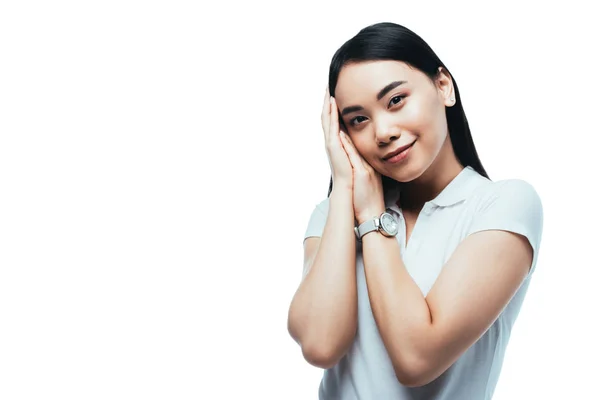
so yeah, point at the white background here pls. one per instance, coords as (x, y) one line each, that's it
(159, 162)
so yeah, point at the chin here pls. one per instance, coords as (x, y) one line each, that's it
(407, 177)
(406, 172)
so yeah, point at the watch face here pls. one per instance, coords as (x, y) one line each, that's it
(389, 224)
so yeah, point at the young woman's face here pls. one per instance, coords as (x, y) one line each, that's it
(386, 105)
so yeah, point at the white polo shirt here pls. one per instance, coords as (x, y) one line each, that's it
(468, 204)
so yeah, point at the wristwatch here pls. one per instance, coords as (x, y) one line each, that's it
(385, 223)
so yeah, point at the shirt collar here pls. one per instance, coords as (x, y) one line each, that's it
(456, 191)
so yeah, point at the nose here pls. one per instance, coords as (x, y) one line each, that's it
(386, 132)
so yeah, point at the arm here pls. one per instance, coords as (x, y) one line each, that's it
(322, 317)
(425, 336)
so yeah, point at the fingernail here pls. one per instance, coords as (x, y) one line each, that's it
(331, 99)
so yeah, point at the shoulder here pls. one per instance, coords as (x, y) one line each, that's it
(507, 193)
(512, 205)
(317, 220)
(323, 206)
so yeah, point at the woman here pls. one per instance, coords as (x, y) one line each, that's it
(416, 264)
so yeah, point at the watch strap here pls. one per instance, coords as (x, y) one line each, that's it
(369, 225)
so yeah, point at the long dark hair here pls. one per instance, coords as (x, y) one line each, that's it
(389, 41)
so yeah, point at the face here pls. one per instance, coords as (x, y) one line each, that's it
(386, 105)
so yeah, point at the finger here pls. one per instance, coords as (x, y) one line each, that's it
(353, 154)
(334, 127)
(350, 150)
(325, 111)
(345, 146)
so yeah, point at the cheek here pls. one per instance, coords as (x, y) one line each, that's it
(362, 148)
(367, 151)
(424, 119)
(420, 115)
(430, 127)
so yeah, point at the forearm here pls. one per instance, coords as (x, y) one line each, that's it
(323, 313)
(399, 307)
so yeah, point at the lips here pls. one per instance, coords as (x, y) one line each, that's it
(397, 151)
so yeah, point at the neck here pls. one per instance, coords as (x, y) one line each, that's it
(431, 183)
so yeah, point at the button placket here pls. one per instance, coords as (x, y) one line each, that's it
(401, 236)
(427, 210)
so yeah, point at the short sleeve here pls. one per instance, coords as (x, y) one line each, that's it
(316, 223)
(514, 206)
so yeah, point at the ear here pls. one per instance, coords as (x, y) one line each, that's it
(445, 87)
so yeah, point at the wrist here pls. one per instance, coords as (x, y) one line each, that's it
(385, 223)
(341, 191)
(342, 185)
(369, 215)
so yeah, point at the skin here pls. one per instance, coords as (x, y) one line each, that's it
(412, 111)
(322, 317)
(424, 336)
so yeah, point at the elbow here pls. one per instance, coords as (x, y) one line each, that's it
(322, 345)
(412, 380)
(413, 373)
(321, 356)
(316, 352)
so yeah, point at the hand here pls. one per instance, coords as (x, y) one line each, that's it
(341, 170)
(367, 187)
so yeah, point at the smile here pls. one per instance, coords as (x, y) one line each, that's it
(402, 155)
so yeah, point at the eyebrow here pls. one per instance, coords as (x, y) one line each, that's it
(380, 95)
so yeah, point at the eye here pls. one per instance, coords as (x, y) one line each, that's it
(393, 101)
(355, 120)
(396, 99)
